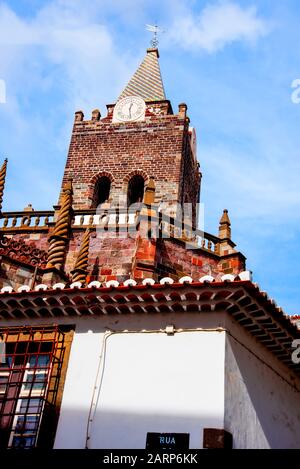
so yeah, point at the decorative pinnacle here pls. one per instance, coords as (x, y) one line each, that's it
(2, 181)
(225, 218)
(149, 192)
(224, 227)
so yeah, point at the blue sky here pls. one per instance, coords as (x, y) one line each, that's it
(232, 62)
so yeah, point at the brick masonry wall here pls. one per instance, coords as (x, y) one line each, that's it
(15, 275)
(120, 258)
(154, 147)
(110, 258)
(190, 178)
(117, 258)
(175, 261)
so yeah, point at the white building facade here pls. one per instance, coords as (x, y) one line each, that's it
(201, 374)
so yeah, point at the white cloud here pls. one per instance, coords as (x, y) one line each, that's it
(254, 189)
(61, 59)
(69, 41)
(217, 26)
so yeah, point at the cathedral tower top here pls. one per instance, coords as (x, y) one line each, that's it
(113, 159)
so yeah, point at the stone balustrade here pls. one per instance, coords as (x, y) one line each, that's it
(160, 224)
(169, 227)
(104, 219)
(26, 220)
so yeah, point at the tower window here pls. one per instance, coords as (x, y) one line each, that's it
(102, 190)
(135, 192)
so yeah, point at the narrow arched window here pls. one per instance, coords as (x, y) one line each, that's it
(101, 191)
(135, 193)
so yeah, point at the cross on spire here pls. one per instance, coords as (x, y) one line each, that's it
(155, 30)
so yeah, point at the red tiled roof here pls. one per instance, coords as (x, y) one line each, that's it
(242, 299)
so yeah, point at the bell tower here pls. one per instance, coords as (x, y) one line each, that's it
(127, 210)
(113, 158)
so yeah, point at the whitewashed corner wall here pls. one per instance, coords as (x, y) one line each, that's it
(151, 383)
(262, 410)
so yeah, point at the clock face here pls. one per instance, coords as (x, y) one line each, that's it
(131, 108)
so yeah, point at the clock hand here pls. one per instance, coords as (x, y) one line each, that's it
(129, 109)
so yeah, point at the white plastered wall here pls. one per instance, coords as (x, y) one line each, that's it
(148, 382)
(262, 406)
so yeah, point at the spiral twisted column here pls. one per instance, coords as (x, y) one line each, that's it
(80, 271)
(60, 235)
(2, 181)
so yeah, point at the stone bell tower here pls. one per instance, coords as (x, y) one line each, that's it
(113, 158)
(140, 151)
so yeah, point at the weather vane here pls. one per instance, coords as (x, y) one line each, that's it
(155, 30)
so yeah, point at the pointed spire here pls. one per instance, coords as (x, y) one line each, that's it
(224, 227)
(146, 82)
(2, 181)
(60, 235)
(225, 218)
(79, 272)
(150, 192)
